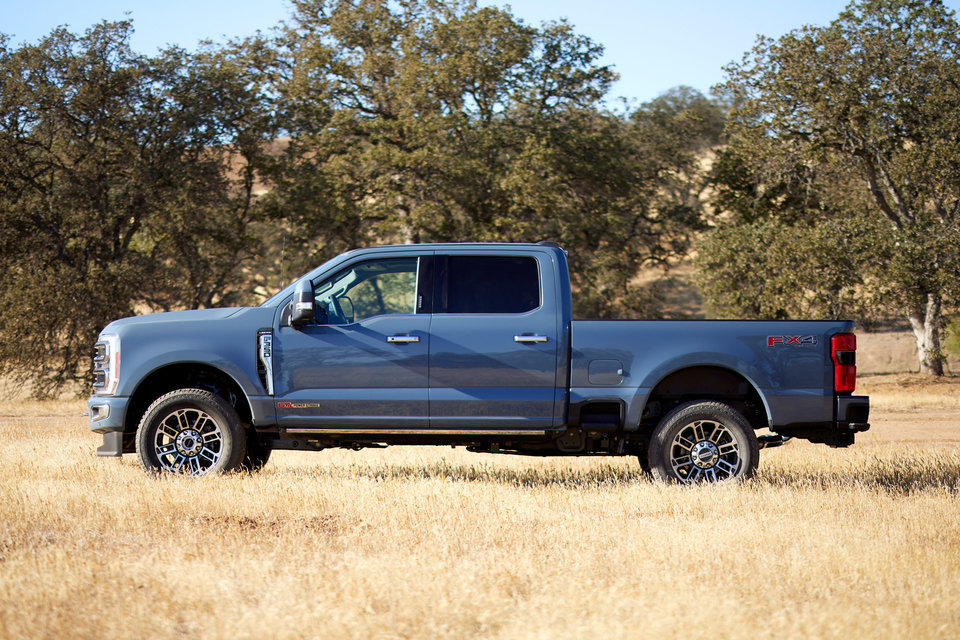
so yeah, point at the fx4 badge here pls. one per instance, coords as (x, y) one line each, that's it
(800, 341)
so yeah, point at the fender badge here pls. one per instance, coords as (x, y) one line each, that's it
(800, 341)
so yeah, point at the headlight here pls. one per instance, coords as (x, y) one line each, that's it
(106, 365)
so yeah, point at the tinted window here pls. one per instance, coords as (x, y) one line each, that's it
(492, 284)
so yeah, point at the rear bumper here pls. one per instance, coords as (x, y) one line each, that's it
(851, 414)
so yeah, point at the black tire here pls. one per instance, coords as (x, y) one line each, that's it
(190, 432)
(644, 459)
(703, 442)
(257, 454)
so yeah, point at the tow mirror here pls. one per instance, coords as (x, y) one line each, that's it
(303, 304)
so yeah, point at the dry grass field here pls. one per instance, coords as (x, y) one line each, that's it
(441, 543)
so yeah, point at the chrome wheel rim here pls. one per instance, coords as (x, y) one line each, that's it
(705, 451)
(189, 442)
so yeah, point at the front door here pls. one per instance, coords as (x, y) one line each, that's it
(363, 362)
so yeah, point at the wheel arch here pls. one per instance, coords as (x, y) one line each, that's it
(705, 382)
(183, 375)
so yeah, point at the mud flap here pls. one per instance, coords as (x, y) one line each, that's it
(112, 446)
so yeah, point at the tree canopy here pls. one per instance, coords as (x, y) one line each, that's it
(132, 183)
(443, 121)
(114, 193)
(853, 129)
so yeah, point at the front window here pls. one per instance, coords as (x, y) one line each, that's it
(366, 289)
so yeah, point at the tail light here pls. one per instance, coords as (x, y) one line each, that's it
(843, 346)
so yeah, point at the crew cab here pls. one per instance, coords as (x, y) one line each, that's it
(468, 345)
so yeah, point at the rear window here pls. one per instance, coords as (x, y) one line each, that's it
(492, 284)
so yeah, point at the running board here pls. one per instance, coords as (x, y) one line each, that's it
(340, 431)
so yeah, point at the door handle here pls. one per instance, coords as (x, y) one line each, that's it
(529, 338)
(402, 339)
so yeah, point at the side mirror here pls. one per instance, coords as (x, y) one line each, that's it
(303, 304)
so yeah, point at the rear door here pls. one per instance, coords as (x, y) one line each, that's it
(494, 341)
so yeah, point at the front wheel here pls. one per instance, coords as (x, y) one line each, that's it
(190, 432)
(703, 442)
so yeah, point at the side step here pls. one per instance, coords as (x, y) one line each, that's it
(372, 431)
(772, 440)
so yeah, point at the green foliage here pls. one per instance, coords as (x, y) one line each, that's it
(428, 121)
(769, 269)
(951, 344)
(132, 183)
(420, 110)
(113, 194)
(873, 99)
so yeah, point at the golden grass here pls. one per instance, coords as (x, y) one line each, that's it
(32, 408)
(435, 542)
(909, 392)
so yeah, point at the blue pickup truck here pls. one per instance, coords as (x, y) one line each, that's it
(468, 345)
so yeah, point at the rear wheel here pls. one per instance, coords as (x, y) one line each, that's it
(703, 442)
(190, 432)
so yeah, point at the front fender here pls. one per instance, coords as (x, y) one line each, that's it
(246, 380)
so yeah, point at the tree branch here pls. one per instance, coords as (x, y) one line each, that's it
(875, 189)
(892, 188)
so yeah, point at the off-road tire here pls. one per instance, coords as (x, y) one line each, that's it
(190, 432)
(703, 441)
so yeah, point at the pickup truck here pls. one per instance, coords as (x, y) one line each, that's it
(468, 345)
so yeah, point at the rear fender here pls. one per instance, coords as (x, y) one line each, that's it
(655, 379)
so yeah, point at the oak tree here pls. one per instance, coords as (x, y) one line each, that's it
(444, 121)
(872, 101)
(118, 192)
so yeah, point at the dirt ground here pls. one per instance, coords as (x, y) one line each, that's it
(933, 427)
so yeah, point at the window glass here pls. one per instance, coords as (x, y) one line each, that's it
(492, 284)
(372, 288)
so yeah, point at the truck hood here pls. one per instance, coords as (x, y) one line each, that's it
(196, 315)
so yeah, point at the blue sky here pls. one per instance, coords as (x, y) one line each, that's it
(653, 45)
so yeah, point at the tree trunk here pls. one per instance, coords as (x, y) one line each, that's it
(926, 322)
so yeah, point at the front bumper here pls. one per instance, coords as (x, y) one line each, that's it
(107, 415)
